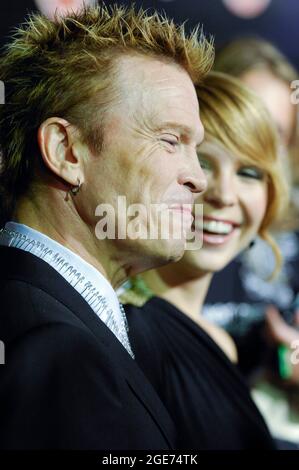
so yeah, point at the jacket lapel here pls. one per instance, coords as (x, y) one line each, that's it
(20, 265)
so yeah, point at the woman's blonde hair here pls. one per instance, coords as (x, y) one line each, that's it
(251, 53)
(236, 117)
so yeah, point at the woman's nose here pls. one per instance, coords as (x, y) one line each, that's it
(221, 191)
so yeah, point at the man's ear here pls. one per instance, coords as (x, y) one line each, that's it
(56, 140)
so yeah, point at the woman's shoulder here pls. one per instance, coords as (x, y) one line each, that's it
(221, 338)
(162, 324)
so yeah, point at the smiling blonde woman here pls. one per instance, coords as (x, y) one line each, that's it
(188, 360)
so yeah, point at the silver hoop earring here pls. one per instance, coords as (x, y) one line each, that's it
(76, 188)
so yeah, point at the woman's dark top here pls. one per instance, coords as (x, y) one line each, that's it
(238, 296)
(203, 391)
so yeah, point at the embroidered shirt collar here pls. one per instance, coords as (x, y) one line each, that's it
(83, 277)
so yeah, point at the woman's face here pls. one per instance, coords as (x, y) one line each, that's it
(275, 94)
(234, 206)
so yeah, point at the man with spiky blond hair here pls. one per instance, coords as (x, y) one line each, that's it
(100, 104)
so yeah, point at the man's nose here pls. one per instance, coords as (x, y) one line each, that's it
(221, 191)
(194, 179)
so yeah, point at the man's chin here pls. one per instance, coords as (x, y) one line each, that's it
(151, 254)
(171, 250)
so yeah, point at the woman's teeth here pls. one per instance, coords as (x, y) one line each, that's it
(220, 228)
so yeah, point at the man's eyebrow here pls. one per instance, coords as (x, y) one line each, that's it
(181, 127)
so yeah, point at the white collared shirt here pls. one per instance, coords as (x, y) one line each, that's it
(82, 276)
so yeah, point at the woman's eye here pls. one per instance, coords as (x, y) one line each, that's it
(251, 172)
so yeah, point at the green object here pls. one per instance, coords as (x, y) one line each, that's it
(284, 363)
(136, 292)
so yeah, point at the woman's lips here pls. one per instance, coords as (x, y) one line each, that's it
(216, 232)
(217, 240)
(209, 218)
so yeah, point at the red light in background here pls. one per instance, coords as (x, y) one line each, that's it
(247, 8)
(49, 7)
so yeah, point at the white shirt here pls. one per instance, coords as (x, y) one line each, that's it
(82, 276)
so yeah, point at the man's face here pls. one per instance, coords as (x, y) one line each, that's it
(149, 154)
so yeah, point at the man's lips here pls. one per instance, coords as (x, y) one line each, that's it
(185, 207)
(185, 213)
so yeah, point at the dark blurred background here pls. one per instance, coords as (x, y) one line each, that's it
(275, 20)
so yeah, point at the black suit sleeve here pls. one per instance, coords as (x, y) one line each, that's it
(60, 392)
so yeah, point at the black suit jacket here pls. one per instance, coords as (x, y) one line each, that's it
(67, 382)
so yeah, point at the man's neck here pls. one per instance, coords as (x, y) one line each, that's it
(63, 224)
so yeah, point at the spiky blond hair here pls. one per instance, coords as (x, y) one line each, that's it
(65, 67)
